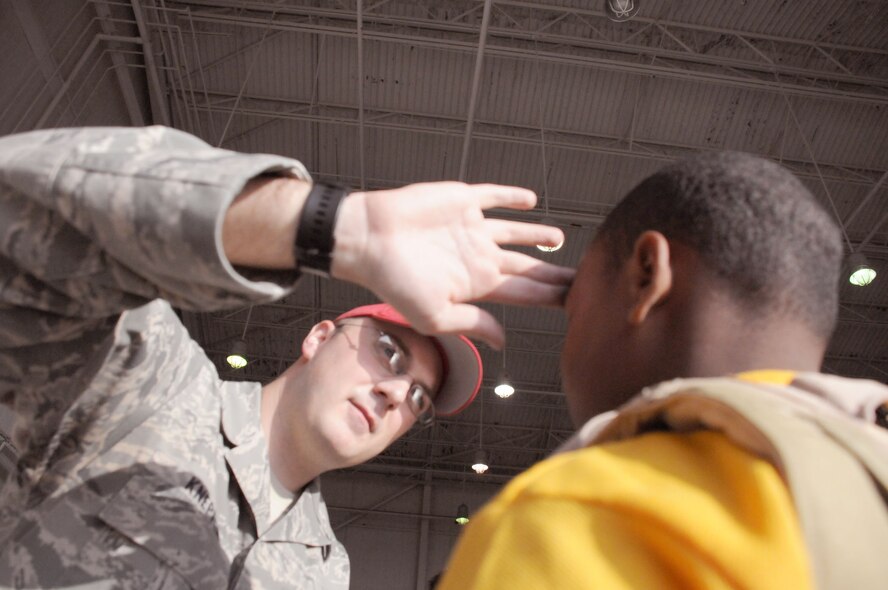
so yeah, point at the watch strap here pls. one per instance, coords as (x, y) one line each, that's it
(314, 235)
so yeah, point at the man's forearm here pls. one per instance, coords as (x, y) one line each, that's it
(260, 226)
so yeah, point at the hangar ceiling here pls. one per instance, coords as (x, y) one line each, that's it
(549, 95)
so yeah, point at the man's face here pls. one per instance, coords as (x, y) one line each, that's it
(353, 404)
(595, 355)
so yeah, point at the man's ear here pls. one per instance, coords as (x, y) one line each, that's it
(319, 333)
(650, 274)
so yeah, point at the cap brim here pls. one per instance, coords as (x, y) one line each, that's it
(463, 379)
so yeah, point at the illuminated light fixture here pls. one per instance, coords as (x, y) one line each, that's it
(545, 196)
(237, 358)
(620, 10)
(480, 465)
(860, 272)
(550, 248)
(548, 221)
(504, 387)
(462, 515)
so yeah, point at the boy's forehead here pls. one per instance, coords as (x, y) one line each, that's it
(590, 264)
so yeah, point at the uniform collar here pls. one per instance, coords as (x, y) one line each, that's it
(306, 521)
(247, 452)
(240, 412)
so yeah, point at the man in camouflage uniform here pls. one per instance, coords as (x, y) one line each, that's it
(139, 467)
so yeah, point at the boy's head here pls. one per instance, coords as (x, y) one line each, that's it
(707, 253)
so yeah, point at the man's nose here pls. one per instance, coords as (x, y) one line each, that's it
(393, 389)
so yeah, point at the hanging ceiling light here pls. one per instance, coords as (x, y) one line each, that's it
(549, 221)
(480, 465)
(504, 386)
(237, 358)
(860, 272)
(550, 248)
(620, 10)
(545, 196)
(462, 515)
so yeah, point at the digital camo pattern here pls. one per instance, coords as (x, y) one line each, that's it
(138, 467)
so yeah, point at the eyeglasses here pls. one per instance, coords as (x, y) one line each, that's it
(394, 359)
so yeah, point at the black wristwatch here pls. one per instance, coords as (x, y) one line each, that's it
(314, 236)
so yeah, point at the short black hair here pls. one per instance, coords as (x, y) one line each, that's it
(754, 224)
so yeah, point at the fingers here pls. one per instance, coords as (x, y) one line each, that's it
(517, 290)
(518, 233)
(471, 321)
(518, 264)
(495, 195)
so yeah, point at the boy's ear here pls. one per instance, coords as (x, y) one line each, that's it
(650, 275)
(317, 336)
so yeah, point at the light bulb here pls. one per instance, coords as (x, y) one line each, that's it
(504, 386)
(504, 390)
(236, 361)
(480, 465)
(862, 277)
(860, 271)
(550, 248)
(462, 515)
(237, 358)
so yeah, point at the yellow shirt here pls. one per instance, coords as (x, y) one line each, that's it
(663, 510)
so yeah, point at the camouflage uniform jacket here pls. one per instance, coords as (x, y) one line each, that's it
(139, 467)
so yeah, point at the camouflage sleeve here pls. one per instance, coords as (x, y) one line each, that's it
(94, 221)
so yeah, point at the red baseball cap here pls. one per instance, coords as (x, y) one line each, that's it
(460, 361)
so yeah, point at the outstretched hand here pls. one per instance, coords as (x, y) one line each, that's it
(428, 250)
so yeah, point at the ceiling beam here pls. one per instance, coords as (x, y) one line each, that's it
(473, 96)
(85, 58)
(39, 45)
(159, 112)
(689, 43)
(121, 68)
(414, 121)
(46, 63)
(864, 90)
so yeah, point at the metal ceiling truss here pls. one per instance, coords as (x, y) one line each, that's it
(565, 35)
(273, 108)
(591, 213)
(70, 83)
(413, 121)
